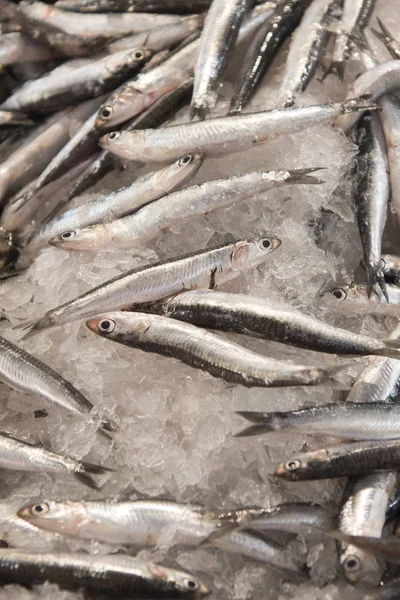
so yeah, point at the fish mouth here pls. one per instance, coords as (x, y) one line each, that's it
(275, 243)
(24, 513)
(203, 591)
(92, 324)
(280, 471)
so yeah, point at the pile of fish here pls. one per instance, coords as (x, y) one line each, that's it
(92, 87)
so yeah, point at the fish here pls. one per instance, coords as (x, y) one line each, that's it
(387, 548)
(122, 202)
(175, 208)
(205, 268)
(355, 17)
(257, 317)
(156, 114)
(381, 79)
(221, 135)
(157, 6)
(354, 298)
(308, 44)
(14, 118)
(351, 421)
(387, 38)
(96, 78)
(296, 517)
(364, 514)
(343, 460)
(19, 455)
(115, 573)
(372, 197)
(390, 119)
(204, 350)
(218, 38)
(16, 47)
(391, 267)
(263, 49)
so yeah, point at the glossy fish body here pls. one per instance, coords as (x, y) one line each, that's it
(221, 28)
(255, 316)
(221, 135)
(16, 48)
(157, 6)
(372, 196)
(123, 201)
(174, 209)
(308, 43)
(364, 514)
(390, 119)
(18, 455)
(14, 118)
(344, 460)
(205, 268)
(351, 421)
(387, 548)
(264, 48)
(155, 115)
(296, 517)
(354, 298)
(203, 350)
(115, 573)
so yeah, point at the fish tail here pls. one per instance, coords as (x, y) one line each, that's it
(86, 471)
(336, 68)
(386, 32)
(391, 349)
(303, 175)
(262, 423)
(336, 379)
(375, 277)
(33, 327)
(358, 104)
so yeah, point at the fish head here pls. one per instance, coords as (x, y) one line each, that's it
(86, 238)
(353, 292)
(122, 105)
(303, 466)
(124, 144)
(118, 325)
(58, 517)
(358, 566)
(130, 59)
(184, 584)
(250, 253)
(186, 167)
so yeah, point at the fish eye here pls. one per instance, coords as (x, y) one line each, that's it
(106, 112)
(292, 465)
(186, 160)
(40, 509)
(340, 294)
(383, 263)
(114, 135)
(191, 584)
(68, 235)
(352, 563)
(106, 326)
(138, 55)
(265, 243)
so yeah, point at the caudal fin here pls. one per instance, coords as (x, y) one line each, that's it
(358, 104)
(336, 379)
(33, 327)
(263, 423)
(87, 470)
(391, 349)
(303, 175)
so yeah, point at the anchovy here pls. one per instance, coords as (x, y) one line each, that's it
(205, 268)
(255, 316)
(387, 548)
(221, 28)
(157, 6)
(123, 201)
(355, 17)
(148, 222)
(14, 118)
(29, 160)
(115, 573)
(364, 514)
(343, 460)
(19, 455)
(16, 48)
(388, 39)
(203, 350)
(352, 421)
(374, 83)
(156, 114)
(296, 517)
(101, 76)
(143, 523)
(308, 44)
(390, 119)
(354, 298)
(264, 48)
(221, 135)
(372, 197)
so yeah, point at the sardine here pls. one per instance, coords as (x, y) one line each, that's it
(372, 197)
(255, 316)
(174, 209)
(220, 31)
(164, 108)
(221, 135)
(17, 48)
(264, 48)
(101, 76)
(387, 38)
(355, 17)
(205, 268)
(308, 43)
(203, 350)
(144, 523)
(157, 6)
(14, 118)
(122, 202)
(18, 455)
(387, 548)
(374, 83)
(351, 421)
(115, 573)
(364, 514)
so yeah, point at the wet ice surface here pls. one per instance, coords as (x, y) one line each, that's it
(176, 423)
